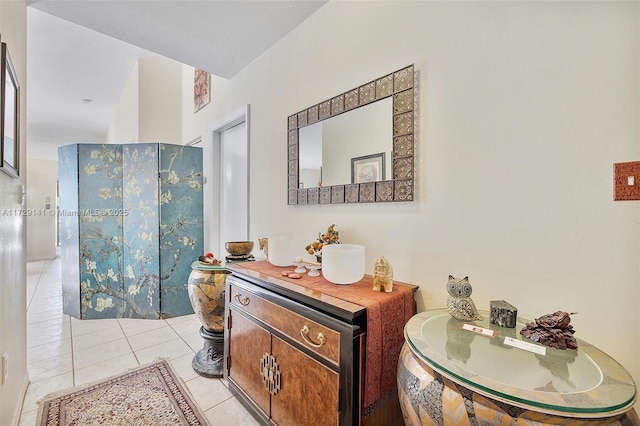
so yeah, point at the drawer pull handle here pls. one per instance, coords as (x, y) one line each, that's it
(304, 332)
(243, 300)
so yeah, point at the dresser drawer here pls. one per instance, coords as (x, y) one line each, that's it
(316, 337)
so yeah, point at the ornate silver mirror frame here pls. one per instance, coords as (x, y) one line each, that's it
(400, 85)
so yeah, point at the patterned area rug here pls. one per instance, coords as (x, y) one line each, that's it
(149, 395)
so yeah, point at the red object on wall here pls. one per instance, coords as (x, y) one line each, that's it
(626, 181)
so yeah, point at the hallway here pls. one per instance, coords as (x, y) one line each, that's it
(64, 352)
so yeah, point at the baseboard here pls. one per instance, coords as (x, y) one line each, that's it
(23, 394)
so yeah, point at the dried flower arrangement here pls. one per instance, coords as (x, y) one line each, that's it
(332, 236)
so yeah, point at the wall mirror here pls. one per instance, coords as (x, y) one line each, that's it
(9, 114)
(357, 147)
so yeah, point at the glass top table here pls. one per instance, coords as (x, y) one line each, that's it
(575, 383)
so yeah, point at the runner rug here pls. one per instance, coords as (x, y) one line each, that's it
(149, 395)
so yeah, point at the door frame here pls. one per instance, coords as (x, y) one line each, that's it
(211, 154)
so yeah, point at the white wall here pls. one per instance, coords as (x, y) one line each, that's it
(41, 223)
(150, 106)
(123, 127)
(13, 312)
(522, 109)
(160, 100)
(198, 125)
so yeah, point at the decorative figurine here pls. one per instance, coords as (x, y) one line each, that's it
(383, 275)
(552, 330)
(503, 314)
(263, 244)
(459, 302)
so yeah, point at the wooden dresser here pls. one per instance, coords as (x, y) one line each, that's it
(296, 351)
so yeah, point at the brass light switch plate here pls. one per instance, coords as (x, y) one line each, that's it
(626, 181)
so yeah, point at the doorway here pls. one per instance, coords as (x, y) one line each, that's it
(227, 194)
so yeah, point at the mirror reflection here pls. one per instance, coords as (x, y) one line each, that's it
(328, 147)
(356, 147)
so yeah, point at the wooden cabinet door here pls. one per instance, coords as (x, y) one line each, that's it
(309, 390)
(248, 342)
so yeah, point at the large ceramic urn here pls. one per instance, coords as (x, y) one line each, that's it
(206, 288)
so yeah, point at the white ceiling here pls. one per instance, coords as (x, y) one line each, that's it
(86, 49)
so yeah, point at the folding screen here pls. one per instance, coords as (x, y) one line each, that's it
(130, 227)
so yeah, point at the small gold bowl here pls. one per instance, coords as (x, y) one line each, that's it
(239, 248)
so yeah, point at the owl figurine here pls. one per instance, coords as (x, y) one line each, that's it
(459, 302)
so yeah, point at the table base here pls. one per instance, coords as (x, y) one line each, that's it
(208, 362)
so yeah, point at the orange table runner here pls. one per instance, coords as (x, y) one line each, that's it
(387, 314)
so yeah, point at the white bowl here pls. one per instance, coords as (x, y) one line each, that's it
(343, 263)
(283, 250)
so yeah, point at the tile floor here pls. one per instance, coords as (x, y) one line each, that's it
(64, 352)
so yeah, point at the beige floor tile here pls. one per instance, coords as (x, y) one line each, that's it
(132, 327)
(105, 369)
(50, 367)
(38, 390)
(59, 322)
(99, 353)
(190, 324)
(54, 316)
(182, 367)
(208, 392)
(170, 350)
(98, 349)
(52, 304)
(46, 311)
(37, 315)
(194, 340)
(86, 326)
(46, 298)
(230, 411)
(41, 335)
(28, 418)
(152, 337)
(48, 350)
(181, 318)
(85, 341)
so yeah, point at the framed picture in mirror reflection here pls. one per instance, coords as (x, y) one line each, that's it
(368, 168)
(10, 116)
